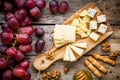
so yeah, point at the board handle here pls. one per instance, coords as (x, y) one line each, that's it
(41, 63)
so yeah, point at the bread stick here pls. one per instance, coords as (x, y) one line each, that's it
(92, 68)
(97, 64)
(104, 59)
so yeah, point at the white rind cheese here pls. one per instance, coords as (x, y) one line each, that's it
(64, 34)
(72, 56)
(102, 29)
(66, 54)
(80, 45)
(93, 25)
(94, 36)
(91, 12)
(101, 18)
(78, 51)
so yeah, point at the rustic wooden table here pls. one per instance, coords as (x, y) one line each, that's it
(109, 7)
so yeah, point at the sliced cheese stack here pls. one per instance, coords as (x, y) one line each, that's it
(73, 51)
(64, 34)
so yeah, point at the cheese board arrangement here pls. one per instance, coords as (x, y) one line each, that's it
(80, 33)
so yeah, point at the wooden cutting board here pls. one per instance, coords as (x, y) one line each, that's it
(41, 63)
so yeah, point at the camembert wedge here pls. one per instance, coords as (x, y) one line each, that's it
(80, 45)
(66, 54)
(72, 56)
(78, 51)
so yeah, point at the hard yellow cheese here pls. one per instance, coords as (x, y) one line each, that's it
(64, 34)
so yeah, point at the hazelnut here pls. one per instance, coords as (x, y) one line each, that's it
(65, 69)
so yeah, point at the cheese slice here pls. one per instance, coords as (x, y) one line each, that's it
(83, 13)
(72, 56)
(88, 32)
(80, 45)
(83, 26)
(75, 22)
(81, 32)
(78, 51)
(86, 19)
(66, 54)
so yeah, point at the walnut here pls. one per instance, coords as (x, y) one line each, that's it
(105, 47)
(56, 74)
(47, 76)
(65, 69)
(113, 55)
(50, 56)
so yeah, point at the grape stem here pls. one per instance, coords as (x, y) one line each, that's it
(10, 66)
(39, 75)
(14, 43)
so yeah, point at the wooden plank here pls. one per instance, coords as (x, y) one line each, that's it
(113, 71)
(114, 39)
(109, 7)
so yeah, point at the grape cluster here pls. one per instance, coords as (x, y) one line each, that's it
(55, 7)
(16, 37)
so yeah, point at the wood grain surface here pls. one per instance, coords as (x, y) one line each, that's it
(47, 21)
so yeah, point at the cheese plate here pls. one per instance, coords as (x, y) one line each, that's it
(41, 63)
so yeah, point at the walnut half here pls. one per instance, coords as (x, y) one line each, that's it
(56, 74)
(105, 47)
(113, 55)
(50, 56)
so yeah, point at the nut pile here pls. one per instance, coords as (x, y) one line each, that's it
(113, 55)
(50, 56)
(55, 74)
(105, 47)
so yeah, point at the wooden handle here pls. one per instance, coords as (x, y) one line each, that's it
(41, 63)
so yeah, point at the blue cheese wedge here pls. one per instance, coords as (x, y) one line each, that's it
(64, 34)
(102, 28)
(78, 51)
(93, 25)
(94, 36)
(72, 56)
(80, 44)
(66, 54)
(91, 12)
(101, 18)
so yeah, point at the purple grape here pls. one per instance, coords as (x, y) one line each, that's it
(39, 45)
(3, 63)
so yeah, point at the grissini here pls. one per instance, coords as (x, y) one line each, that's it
(104, 59)
(92, 68)
(97, 64)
